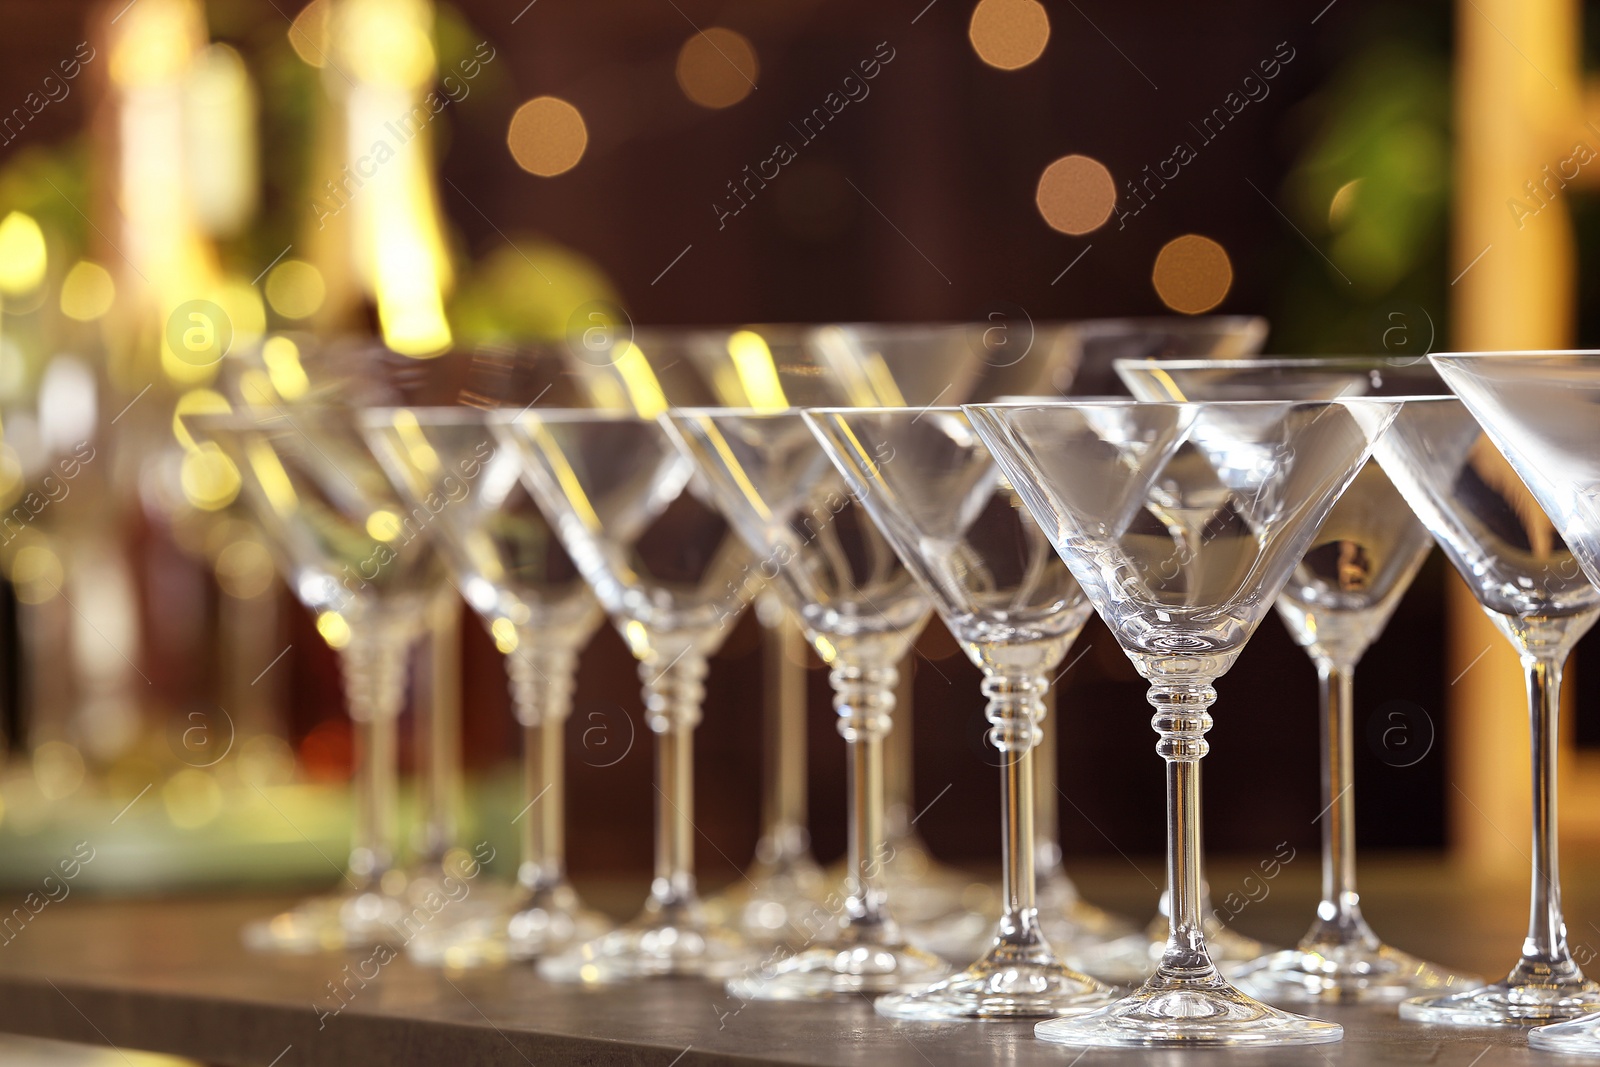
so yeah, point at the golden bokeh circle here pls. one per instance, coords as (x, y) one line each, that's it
(1076, 194)
(1192, 274)
(547, 136)
(1009, 34)
(717, 67)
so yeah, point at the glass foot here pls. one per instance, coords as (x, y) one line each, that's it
(1005, 984)
(850, 966)
(535, 923)
(1504, 1004)
(1130, 960)
(1071, 923)
(330, 924)
(775, 902)
(1356, 973)
(1187, 1013)
(1576, 1037)
(665, 941)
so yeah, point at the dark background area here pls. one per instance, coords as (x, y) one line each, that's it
(918, 203)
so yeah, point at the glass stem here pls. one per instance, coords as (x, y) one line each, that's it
(784, 837)
(1182, 718)
(1047, 854)
(541, 697)
(863, 697)
(1339, 920)
(438, 731)
(673, 692)
(1015, 711)
(374, 682)
(1545, 957)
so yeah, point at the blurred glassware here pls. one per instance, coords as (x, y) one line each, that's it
(1538, 409)
(1335, 605)
(1182, 522)
(333, 524)
(861, 610)
(509, 565)
(635, 520)
(1534, 591)
(935, 494)
(1104, 341)
(341, 377)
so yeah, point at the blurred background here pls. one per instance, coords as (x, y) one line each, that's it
(447, 173)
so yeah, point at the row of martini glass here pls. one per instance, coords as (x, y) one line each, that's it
(1178, 522)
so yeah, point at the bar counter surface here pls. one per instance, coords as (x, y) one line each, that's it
(171, 976)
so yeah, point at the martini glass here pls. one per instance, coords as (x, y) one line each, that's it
(510, 567)
(1538, 409)
(1526, 579)
(1098, 477)
(935, 494)
(861, 610)
(648, 371)
(1104, 341)
(336, 530)
(1335, 605)
(634, 519)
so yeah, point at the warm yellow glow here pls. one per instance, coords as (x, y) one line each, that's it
(244, 569)
(58, 768)
(271, 476)
(288, 377)
(547, 136)
(308, 34)
(386, 43)
(192, 798)
(156, 39)
(1076, 194)
(383, 525)
(334, 630)
(1009, 34)
(196, 402)
(257, 389)
(219, 109)
(87, 291)
(22, 254)
(209, 479)
(36, 573)
(295, 289)
(418, 451)
(566, 477)
(504, 632)
(758, 373)
(644, 391)
(1192, 274)
(717, 67)
(10, 475)
(1343, 200)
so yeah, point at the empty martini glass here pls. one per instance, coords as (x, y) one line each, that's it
(334, 526)
(1525, 578)
(861, 610)
(1539, 410)
(1336, 604)
(1096, 476)
(632, 516)
(936, 495)
(509, 565)
(646, 371)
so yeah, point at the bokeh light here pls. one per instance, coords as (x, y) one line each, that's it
(87, 291)
(547, 136)
(1192, 274)
(717, 68)
(1076, 194)
(295, 289)
(1009, 34)
(22, 254)
(308, 33)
